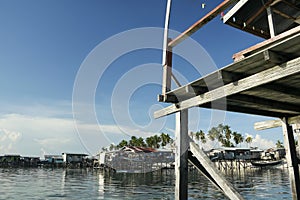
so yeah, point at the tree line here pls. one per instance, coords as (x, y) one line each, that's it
(155, 141)
(221, 133)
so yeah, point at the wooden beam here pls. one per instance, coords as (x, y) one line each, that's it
(196, 26)
(291, 5)
(242, 108)
(273, 57)
(257, 47)
(293, 92)
(167, 73)
(207, 168)
(270, 21)
(261, 10)
(266, 103)
(167, 56)
(275, 123)
(267, 124)
(234, 9)
(258, 79)
(181, 156)
(284, 14)
(291, 158)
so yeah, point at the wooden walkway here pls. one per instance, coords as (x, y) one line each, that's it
(262, 80)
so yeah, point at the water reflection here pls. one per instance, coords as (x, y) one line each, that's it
(95, 184)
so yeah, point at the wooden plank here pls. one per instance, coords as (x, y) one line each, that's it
(240, 55)
(263, 77)
(270, 21)
(291, 158)
(196, 26)
(181, 156)
(284, 14)
(260, 11)
(216, 176)
(267, 124)
(166, 31)
(234, 9)
(275, 123)
(167, 55)
(266, 103)
(167, 74)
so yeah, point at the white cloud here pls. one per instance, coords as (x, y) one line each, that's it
(262, 143)
(8, 140)
(56, 135)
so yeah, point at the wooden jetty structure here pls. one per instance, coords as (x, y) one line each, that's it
(262, 80)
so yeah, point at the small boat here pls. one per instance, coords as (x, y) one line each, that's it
(266, 163)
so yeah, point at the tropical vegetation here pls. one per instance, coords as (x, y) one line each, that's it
(155, 141)
(221, 133)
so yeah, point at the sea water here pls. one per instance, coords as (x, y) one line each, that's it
(43, 183)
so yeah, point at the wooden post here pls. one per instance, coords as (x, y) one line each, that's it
(167, 72)
(181, 158)
(271, 23)
(291, 158)
(296, 128)
(167, 56)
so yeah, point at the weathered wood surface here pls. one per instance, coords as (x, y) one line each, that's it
(214, 175)
(275, 123)
(167, 54)
(204, 20)
(291, 158)
(278, 38)
(270, 75)
(256, 61)
(181, 156)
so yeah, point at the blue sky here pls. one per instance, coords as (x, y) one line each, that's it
(44, 44)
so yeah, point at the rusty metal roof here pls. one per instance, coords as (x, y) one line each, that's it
(251, 16)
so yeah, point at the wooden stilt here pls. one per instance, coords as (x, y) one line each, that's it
(181, 159)
(271, 23)
(291, 158)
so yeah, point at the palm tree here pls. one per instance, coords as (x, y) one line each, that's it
(123, 143)
(150, 141)
(200, 136)
(165, 139)
(156, 141)
(140, 142)
(111, 147)
(279, 144)
(197, 136)
(248, 140)
(213, 134)
(133, 141)
(238, 138)
(227, 132)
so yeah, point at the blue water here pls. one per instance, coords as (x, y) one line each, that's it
(42, 183)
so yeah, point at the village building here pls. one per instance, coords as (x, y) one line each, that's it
(137, 159)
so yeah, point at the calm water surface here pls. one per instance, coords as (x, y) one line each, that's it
(93, 184)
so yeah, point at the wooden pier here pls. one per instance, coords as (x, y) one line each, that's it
(263, 80)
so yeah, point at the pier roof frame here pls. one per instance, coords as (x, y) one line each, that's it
(252, 16)
(263, 81)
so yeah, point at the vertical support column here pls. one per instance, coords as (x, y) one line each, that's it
(181, 158)
(270, 21)
(167, 71)
(167, 56)
(291, 158)
(296, 128)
